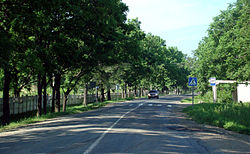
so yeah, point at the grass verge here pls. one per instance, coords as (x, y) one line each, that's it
(189, 100)
(231, 116)
(29, 118)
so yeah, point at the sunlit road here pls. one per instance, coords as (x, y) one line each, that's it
(140, 126)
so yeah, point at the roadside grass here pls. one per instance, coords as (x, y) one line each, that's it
(30, 117)
(230, 116)
(197, 99)
(189, 100)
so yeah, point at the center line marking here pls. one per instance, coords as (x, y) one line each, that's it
(93, 145)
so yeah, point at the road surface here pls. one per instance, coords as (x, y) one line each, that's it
(141, 126)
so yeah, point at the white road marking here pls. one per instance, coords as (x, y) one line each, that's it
(93, 145)
(150, 104)
(159, 105)
(169, 105)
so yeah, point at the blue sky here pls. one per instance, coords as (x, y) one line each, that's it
(182, 23)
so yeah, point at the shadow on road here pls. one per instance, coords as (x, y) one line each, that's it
(157, 126)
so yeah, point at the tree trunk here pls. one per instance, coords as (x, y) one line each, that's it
(128, 93)
(135, 92)
(65, 100)
(122, 93)
(141, 92)
(15, 84)
(96, 94)
(109, 94)
(6, 106)
(102, 95)
(53, 97)
(17, 92)
(39, 89)
(167, 90)
(85, 99)
(57, 91)
(44, 94)
(125, 91)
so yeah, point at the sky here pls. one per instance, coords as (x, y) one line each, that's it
(182, 23)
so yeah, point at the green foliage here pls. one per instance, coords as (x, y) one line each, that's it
(224, 53)
(58, 37)
(233, 117)
(164, 65)
(224, 95)
(72, 42)
(207, 97)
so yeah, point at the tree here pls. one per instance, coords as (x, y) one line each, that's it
(227, 47)
(101, 34)
(8, 15)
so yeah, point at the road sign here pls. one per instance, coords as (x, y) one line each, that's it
(192, 81)
(212, 81)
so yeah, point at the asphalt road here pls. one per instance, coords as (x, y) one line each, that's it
(139, 126)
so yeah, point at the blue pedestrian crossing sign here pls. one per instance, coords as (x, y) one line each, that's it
(192, 81)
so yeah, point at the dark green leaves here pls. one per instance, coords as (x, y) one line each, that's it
(224, 53)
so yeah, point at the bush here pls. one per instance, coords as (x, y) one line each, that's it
(224, 94)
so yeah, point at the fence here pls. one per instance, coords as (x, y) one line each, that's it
(29, 103)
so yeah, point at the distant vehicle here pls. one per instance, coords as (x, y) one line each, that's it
(153, 94)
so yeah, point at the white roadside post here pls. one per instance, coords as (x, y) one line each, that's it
(214, 94)
(212, 81)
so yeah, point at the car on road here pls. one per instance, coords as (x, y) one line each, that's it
(153, 94)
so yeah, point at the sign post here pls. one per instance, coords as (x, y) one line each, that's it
(212, 81)
(192, 81)
(214, 94)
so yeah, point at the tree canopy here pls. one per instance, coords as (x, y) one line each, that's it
(64, 43)
(224, 53)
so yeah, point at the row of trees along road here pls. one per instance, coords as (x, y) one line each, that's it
(225, 52)
(65, 44)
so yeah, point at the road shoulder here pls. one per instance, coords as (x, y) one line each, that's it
(222, 140)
